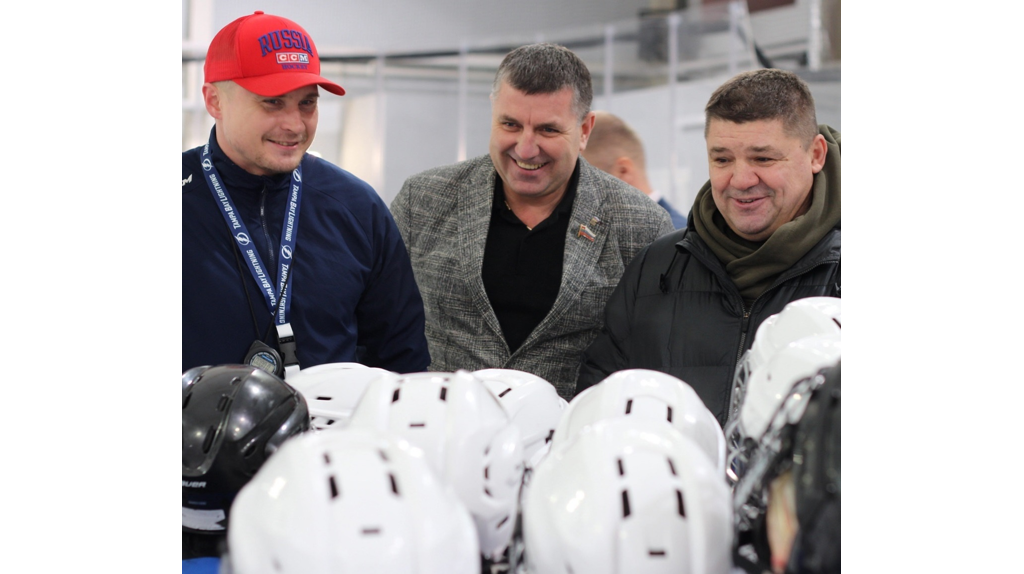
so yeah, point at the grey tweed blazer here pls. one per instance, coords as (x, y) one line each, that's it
(444, 214)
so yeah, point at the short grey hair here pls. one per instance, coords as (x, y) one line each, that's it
(545, 69)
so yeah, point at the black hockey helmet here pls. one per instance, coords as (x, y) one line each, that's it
(233, 417)
(804, 440)
(817, 450)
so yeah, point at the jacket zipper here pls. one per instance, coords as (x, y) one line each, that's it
(746, 312)
(733, 409)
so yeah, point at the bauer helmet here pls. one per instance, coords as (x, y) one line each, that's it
(233, 417)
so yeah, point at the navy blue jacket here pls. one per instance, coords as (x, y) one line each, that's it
(353, 294)
(678, 219)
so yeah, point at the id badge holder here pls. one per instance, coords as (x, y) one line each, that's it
(286, 342)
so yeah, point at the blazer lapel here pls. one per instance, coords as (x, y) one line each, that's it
(584, 242)
(474, 203)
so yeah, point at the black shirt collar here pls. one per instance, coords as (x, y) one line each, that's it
(563, 209)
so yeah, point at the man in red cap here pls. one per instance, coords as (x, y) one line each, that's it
(287, 260)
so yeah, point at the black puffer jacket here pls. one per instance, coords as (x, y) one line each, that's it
(675, 310)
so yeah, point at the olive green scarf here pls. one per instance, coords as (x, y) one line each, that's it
(754, 266)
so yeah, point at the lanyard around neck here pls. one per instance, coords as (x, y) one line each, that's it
(278, 300)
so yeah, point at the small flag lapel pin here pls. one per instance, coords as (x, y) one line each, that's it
(585, 232)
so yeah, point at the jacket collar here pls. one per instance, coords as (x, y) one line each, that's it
(828, 249)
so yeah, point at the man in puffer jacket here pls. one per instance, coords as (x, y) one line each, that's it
(762, 232)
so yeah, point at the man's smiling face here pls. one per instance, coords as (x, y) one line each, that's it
(263, 135)
(761, 176)
(535, 140)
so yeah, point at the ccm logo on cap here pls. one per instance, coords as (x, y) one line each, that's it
(292, 58)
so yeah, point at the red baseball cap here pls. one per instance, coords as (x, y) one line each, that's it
(267, 55)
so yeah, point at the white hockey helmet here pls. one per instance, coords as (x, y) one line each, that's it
(627, 495)
(768, 387)
(798, 319)
(332, 390)
(533, 405)
(467, 437)
(643, 393)
(353, 500)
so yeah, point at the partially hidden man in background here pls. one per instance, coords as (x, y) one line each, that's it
(516, 252)
(763, 231)
(616, 149)
(286, 258)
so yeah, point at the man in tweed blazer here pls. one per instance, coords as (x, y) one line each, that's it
(515, 253)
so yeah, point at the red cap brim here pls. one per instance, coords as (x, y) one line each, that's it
(280, 84)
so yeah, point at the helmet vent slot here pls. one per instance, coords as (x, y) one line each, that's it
(505, 392)
(629, 406)
(653, 552)
(185, 402)
(444, 393)
(679, 499)
(503, 521)
(210, 432)
(669, 414)
(625, 503)
(394, 485)
(417, 425)
(622, 471)
(671, 467)
(394, 397)
(836, 321)
(550, 435)
(487, 492)
(333, 485)
(371, 531)
(323, 398)
(329, 422)
(383, 455)
(222, 403)
(487, 470)
(327, 458)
